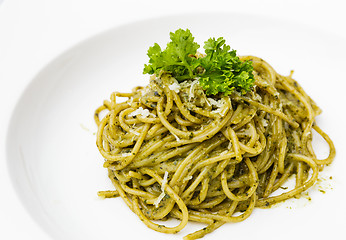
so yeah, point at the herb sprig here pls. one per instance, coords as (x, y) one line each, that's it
(219, 71)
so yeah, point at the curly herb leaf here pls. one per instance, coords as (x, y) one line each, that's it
(178, 57)
(219, 71)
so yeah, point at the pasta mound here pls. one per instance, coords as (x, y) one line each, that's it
(173, 152)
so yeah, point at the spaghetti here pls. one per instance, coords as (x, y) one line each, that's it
(173, 152)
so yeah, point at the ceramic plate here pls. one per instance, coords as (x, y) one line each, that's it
(56, 167)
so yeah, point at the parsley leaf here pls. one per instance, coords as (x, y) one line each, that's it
(178, 57)
(219, 71)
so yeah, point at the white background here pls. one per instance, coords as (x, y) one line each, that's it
(33, 32)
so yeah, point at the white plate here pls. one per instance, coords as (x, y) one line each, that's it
(56, 167)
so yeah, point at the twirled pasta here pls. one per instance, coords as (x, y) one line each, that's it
(172, 152)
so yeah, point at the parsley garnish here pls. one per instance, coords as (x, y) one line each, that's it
(219, 71)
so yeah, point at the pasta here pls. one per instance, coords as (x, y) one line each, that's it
(173, 152)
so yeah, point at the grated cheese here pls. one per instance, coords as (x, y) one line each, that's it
(175, 87)
(162, 195)
(176, 137)
(219, 104)
(192, 88)
(140, 111)
(217, 111)
(215, 103)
